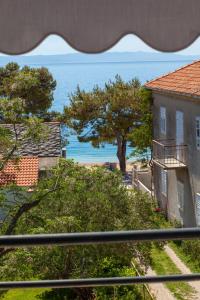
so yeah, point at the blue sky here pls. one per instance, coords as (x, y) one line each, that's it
(56, 45)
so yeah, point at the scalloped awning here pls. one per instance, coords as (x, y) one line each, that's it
(96, 25)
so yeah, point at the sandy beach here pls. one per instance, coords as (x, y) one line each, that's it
(129, 166)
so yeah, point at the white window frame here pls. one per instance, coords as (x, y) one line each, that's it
(197, 132)
(164, 182)
(197, 202)
(163, 120)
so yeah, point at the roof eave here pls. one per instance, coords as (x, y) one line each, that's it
(163, 91)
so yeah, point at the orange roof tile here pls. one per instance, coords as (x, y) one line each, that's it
(24, 172)
(185, 80)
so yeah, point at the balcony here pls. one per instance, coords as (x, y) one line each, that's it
(168, 155)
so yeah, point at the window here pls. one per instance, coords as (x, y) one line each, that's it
(164, 182)
(198, 209)
(198, 132)
(163, 120)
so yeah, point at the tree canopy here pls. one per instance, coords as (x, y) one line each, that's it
(141, 137)
(34, 85)
(107, 115)
(76, 199)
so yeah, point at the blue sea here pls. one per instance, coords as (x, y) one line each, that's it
(70, 74)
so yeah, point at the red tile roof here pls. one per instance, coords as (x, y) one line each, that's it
(24, 172)
(185, 81)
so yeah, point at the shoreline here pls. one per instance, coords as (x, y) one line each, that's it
(129, 166)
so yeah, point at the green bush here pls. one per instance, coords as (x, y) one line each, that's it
(192, 250)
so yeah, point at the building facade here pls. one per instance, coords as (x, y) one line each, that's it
(176, 144)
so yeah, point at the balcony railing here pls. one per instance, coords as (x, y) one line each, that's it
(70, 239)
(169, 155)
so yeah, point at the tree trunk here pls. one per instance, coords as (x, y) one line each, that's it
(121, 153)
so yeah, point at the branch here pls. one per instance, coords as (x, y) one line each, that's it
(5, 251)
(10, 154)
(7, 158)
(21, 211)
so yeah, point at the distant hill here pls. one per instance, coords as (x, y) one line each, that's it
(117, 57)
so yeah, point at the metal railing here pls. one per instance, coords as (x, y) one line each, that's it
(98, 238)
(169, 154)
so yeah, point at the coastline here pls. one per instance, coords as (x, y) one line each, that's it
(129, 166)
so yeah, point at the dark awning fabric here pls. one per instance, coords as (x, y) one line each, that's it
(96, 25)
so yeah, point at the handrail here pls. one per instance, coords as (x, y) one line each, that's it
(67, 239)
(161, 143)
(158, 142)
(170, 154)
(96, 282)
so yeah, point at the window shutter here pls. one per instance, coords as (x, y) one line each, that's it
(180, 191)
(164, 182)
(198, 209)
(198, 132)
(163, 120)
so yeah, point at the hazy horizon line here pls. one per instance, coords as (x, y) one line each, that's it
(101, 53)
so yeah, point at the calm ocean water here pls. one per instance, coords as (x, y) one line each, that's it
(86, 75)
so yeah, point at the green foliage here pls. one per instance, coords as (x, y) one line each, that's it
(30, 294)
(5, 140)
(77, 199)
(163, 265)
(23, 92)
(112, 268)
(34, 85)
(107, 115)
(35, 130)
(9, 71)
(142, 136)
(105, 112)
(57, 294)
(12, 111)
(189, 252)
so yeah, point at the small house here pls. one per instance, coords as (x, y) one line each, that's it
(176, 143)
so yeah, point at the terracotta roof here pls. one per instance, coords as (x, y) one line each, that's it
(24, 172)
(49, 147)
(185, 81)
